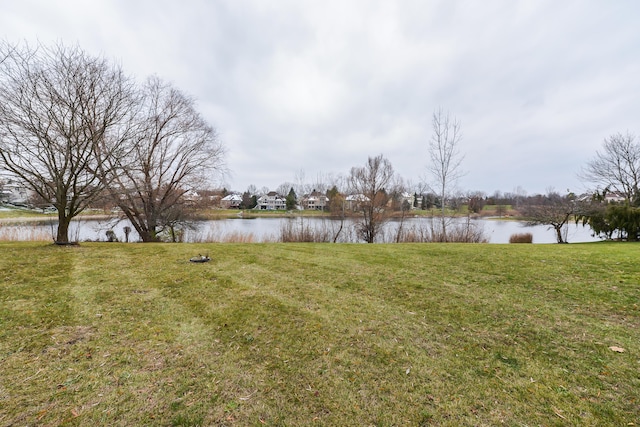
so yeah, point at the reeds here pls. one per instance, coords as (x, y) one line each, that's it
(434, 232)
(231, 237)
(24, 233)
(521, 238)
(294, 231)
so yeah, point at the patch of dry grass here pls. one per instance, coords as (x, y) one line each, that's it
(521, 238)
(24, 233)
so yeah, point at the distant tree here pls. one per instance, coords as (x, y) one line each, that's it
(429, 201)
(62, 112)
(35, 200)
(445, 158)
(609, 219)
(551, 209)
(336, 206)
(104, 201)
(623, 219)
(336, 201)
(476, 202)
(291, 200)
(172, 153)
(283, 189)
(617, 167)
(208, 198)
(455, 203)
(249, 201)
(373, 182)
(323, 182)
(614, 170)
(516, 198)
(403, 206)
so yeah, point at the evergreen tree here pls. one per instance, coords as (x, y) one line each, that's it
(291, 200)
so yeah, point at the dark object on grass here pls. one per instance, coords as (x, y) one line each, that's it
(200, 258)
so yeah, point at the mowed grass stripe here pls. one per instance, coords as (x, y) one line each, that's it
(319, 334)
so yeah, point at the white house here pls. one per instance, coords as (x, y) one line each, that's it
(614, 196)
(315, 201)
(271, 201)
(408, 198)
(13, 191)
(353, 201)
(231, 201)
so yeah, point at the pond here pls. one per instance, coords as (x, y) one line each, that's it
(263, 229)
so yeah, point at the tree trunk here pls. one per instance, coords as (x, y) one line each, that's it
(442, 217)
(147, 236)
(145, 231)
(62, 236)
(559, 237)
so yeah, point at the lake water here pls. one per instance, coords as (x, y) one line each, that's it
(269, 230)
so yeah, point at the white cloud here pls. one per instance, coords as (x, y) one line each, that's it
(321, 85)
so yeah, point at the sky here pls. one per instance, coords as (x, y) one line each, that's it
(301, 91)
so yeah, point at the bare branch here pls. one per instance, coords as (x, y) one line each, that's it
(57, 105)
(551, 209)
(617, 167)
(445, 157)
(173, 151)
(371, 185)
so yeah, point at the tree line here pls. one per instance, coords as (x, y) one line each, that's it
(611, 209)
(77, 130)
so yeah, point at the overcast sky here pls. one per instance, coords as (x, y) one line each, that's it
(299, 89)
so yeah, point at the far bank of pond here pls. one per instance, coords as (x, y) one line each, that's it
(269, 229)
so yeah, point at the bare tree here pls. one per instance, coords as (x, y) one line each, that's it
(6, 51)
(446, 159)
(283, 189)
(173, 151)
(551, 209)
(400, 204)
(58, 106)
(617, 167)
(372, 183)
(475, 201)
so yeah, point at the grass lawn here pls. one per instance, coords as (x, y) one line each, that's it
(7, 214)
(320, 334)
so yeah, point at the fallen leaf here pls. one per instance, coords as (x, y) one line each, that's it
(617, 349)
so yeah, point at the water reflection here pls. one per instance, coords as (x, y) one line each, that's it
(269, 230)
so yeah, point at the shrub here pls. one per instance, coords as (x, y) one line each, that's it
(111, 236)
(456, 232)
(291, 232)
(521, 238)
